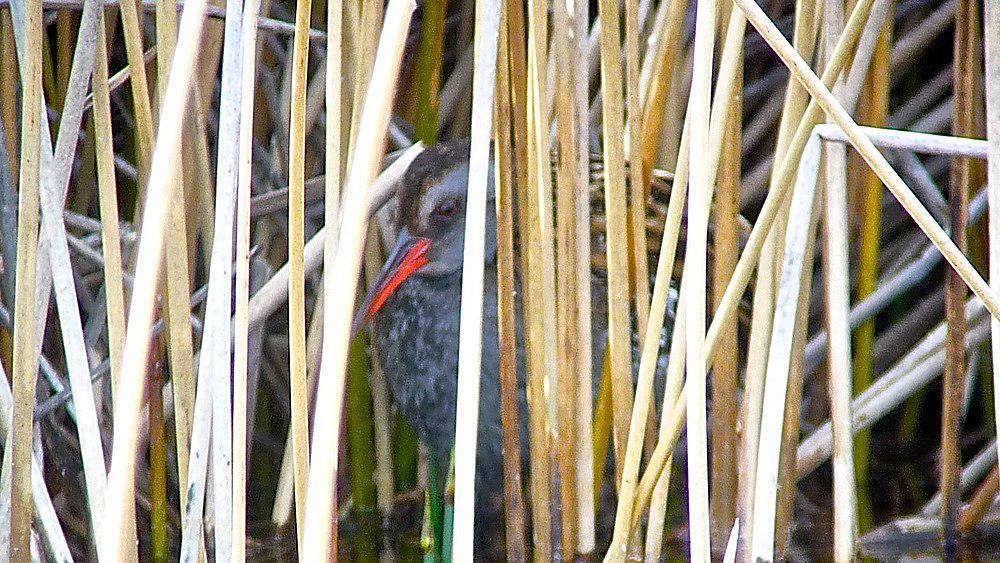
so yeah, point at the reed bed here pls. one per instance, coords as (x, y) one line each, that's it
(745, 255)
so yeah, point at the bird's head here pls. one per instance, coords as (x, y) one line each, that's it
(430, 220)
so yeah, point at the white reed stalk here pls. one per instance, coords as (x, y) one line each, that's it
(330, 393)
(470, 344)
(240, 319)
(216, 348)
(584, 470)
(837, 279)
(780, 353)
(695, 266)
(991, 37)
(112, 544)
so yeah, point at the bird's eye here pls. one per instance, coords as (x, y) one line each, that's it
(446, 209)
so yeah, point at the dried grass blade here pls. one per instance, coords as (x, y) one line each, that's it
(330, 393)
(140, 91)
(45, 513)
(216, 349)
(837, 295)
(121, 476)
(176, 281)
(965, 93)
(540, 355)
(637, 181)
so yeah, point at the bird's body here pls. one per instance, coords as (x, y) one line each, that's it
(415, 312)
(416, 340)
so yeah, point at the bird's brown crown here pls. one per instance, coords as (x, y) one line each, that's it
(426, 171)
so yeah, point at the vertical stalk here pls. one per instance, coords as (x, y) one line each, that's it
(25, 362)
(991, 37)
(619, 325)
(965, 86)
(695, 272)
(506, 320)
(725, 409)
(157, 460)
(534, 130)
(296, 279)
(241, 327)
(566, 190)
(428, 71)
(873, 111)
(584, 472)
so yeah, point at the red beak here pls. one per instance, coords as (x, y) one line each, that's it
(406, 259)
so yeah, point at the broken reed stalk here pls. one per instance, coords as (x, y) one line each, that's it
(241, 326)
(296, 265)
(567, 380)
(506, 320)
(364, 163)
(120, 494)
(619, 325)
(991, 38)
(793, 401)
(470, 344)
(25, 362)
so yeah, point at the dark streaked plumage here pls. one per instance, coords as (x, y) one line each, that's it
(415, 311)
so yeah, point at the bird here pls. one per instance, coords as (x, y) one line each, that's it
(414, 311)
